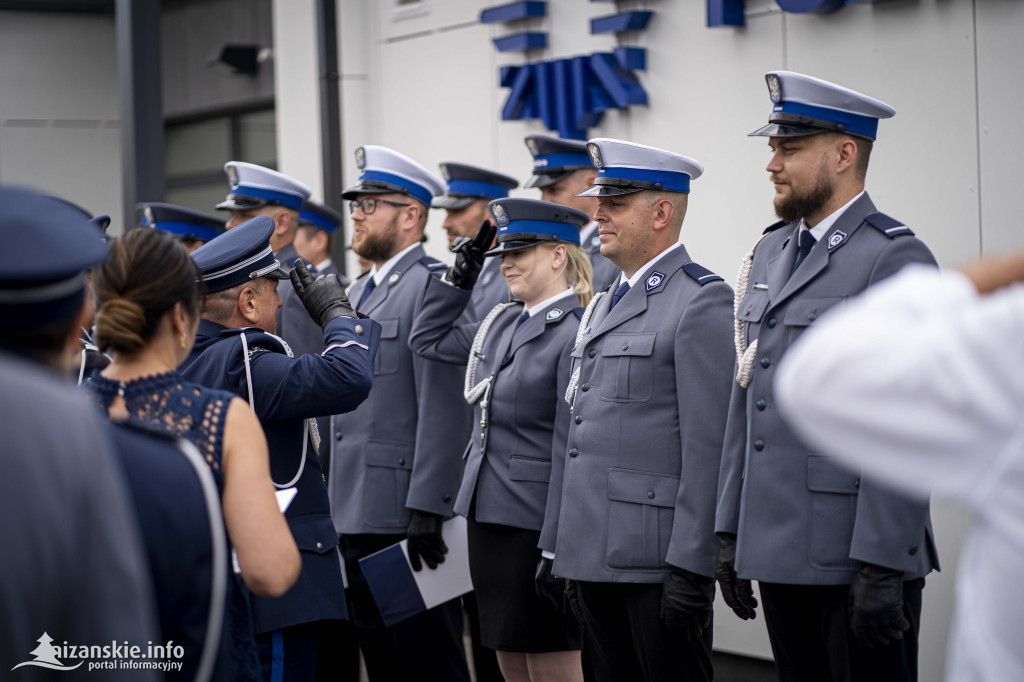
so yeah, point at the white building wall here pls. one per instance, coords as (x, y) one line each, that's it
(59, 112)
(427, 85)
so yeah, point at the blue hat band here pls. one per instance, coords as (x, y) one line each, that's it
(321, 222)
(484, 190)
(865, 126)
(563, 232)
(283, 198)
(201, 232)
(673, 182)
(418, 191)
(544, 162)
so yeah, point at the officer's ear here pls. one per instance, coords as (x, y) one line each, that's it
(247, 304)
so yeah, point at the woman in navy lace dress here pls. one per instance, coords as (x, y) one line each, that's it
(147, 312)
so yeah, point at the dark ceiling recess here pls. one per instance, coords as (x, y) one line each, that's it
(96, 6)
(236, 59)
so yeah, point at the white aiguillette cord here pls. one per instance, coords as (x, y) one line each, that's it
(309, 427)
(473, 390)
(744, 355)
(581, 331)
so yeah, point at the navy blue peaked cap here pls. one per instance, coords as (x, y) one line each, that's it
(523, 223)
(49, 244)
(179, 220)
(554, 158)
(239, 255)
(467, 184)
(319, 216)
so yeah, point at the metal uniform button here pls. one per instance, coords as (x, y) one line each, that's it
(812, 317)
(574, 452)
(856, 484)
(585, 387)
(625, 346)
(447, 498)
(360, 330)
(337, 436)
(319, 545)
(650, 494)
(401, 461)
(592, 353)
(772, 322)
(579, 419)
(766, 363)
(759, 445)
(761, 404)
(913, 550)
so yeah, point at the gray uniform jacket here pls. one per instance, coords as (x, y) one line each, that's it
(74, 564)
(294, 325)
(800, 518)
(604, 273)
(509, 455)
(490, 290)
(402, 448)
(645, 439)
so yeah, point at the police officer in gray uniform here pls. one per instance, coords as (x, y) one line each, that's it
(397, 459)
(252, 191)
(561, 170)
(840, 560)
(633, 527)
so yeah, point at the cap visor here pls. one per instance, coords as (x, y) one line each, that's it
(510, 246)
(233, 204)
(609, 191)
(451, 201)
(277, 274)
(540, 180)
(373, 188)
(780, 130)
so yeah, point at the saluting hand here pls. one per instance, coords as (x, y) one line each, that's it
(323, 297)
(469, 256)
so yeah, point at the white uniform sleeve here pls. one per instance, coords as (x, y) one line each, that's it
(919, 381)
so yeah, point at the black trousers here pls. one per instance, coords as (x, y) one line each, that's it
(809, 628)
(289, 654)
(426, 647)
(628, 642)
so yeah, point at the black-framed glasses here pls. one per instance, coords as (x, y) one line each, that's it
(369, 204)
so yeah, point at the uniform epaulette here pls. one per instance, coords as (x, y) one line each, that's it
(890, 227)
(432, 263)
(774, 226)
(361, 275)
(701, 274)
(579, 311)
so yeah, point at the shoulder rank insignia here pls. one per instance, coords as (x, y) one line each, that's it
(836, 239)
(553, 314)
(654, 281)
(700, 274)
(394, 277)
(775, 226)
(890, 227)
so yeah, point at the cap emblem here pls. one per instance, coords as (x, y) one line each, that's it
(498, 211)
(360, 158)
(531, 144)
(147, 216)
(595, 155)
(654, 281)
(444, 171)
(774, 88)
(232, 177)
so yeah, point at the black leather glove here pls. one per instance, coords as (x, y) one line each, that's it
(469, 256)
(425, 540)
(736, 592)
(687, 602)
(876, 605)
(547, 585)
(323, 297)
(572, 598)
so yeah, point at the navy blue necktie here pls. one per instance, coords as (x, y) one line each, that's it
(522, 318)
(806, 243)
(370, 286)
(619, 293)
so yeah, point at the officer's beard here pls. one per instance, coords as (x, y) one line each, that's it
(800, 204)
(378, 246)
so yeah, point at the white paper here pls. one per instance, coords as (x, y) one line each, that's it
(451, 578)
